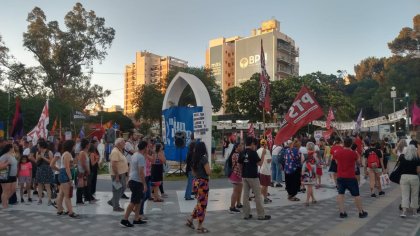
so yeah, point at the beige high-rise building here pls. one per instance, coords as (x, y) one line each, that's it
(234, 60)
(148, 68)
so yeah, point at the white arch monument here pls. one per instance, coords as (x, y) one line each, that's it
(202, 97)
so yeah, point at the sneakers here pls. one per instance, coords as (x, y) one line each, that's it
(240, 206)
(403, 214)
(22, 201)
(266, 217)
(381, 193)
(267, 200)
(29, 199)
(343, 215)
(109, 202)
(138, 222)
(233, 210)
(248, 217)
(118, 209)
(126, 223)
(373, 195)
(124, 196)
(363, 214)
(278, 185)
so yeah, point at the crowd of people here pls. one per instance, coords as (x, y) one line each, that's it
(301, 162)
(52, 169)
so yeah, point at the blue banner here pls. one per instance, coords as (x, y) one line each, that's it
(178, 119)
(1, 129)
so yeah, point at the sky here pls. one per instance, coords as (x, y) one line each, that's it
(331, 34)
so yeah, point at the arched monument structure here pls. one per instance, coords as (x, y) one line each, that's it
(202, 98)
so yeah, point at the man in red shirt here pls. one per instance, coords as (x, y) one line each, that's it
(346, 178)
(333, 166)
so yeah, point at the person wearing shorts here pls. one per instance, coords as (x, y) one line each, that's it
(265, 170)
(236, 179)
(346, 160)
(137, 185)
(374, 173)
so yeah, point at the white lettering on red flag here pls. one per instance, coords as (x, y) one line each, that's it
(304, 110)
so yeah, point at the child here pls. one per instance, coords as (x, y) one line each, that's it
(308, 174)
(25, 177)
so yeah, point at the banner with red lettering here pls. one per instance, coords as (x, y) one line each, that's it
(303, 110)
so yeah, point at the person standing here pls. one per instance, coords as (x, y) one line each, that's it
(119, 169)
(236, 179)
(276, 167)
(333, 165)
(346, 179)
(8, 174)
(94, 166)
(137, 185)
(25, 176)
(64, 177)
(250, 161)
(409, 183)
(157, 171)
(265, 170)
(292, 169)
(201, 171)
(374, 168)
(308, 172)
(83, 169)
(188, 170)
(44, 174)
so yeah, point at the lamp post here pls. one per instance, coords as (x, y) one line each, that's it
(394, 96)
(407, 98)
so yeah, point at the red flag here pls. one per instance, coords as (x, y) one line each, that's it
(54, 126)
(330, 117)
(303, 110)
(415, 115)
(268, 134)
(17, 123)
(327, 134)
(264, 95)
(251, 132)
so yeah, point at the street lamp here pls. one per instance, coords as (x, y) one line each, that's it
(394, 96)
(407, 98)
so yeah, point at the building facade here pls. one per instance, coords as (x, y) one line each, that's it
(148, 68)
(234, 60)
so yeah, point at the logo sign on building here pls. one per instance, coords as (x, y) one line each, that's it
(178, 119)
(248, 56)
(216, 60)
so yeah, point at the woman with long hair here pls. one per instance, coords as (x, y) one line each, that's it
(94, 166)
(400, 147)
(44, 174)
(409, 183)
(201, 171)
(188, 169)
(64, 177)
(292, 169)
(157, 171)
(8, 173)
(236, 179)
(83, 169)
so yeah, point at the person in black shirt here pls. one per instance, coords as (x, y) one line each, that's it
(250, 162)
(374, 172)
(409, 165)
(188, 170)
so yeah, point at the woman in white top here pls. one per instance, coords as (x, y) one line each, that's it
(64, 177)
(400, 147)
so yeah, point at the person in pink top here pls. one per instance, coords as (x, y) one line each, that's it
(25, 176)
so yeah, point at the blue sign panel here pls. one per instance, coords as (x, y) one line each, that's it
(178, 119)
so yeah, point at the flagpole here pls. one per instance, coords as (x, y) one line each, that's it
(264, 122)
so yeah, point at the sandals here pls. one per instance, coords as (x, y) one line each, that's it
(190, 224)
(59, 213)
(294, 199)
(74, 215)
(202, 230)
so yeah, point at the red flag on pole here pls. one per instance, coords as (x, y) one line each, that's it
(330, 117)
(269, 136)
(264, 95)
(17, 123)
(251, 132)
(304, 110)
(415, 115)
(54, 126)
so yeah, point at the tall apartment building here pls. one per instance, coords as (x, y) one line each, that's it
(234, 60)
(148, 68)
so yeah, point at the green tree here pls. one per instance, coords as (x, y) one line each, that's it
(149, 103)
(206, 76)
(405, 44)
(62, 54)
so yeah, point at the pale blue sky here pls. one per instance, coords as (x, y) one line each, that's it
(331, 34)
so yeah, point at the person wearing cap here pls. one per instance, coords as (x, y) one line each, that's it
(265, 170)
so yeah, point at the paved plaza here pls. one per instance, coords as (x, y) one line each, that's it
(168, 218)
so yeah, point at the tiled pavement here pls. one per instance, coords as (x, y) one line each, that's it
(318, 219)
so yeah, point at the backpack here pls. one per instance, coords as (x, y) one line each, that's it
(373, 160)
(228, 166)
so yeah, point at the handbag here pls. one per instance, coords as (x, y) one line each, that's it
(395, 175)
